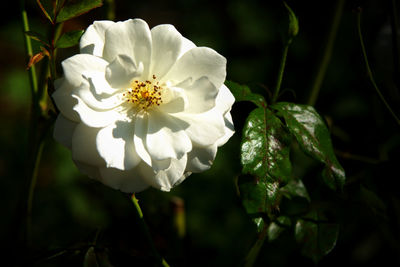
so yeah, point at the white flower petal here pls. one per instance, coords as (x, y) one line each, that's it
(89, 170)
(201, 158)
(63, 130)
(166, 47)
(196, 63)
(204, 128)
(159, 165)
(64, 100)
(167, 178)
(139, 138)
(131, 38)
(84, 147)
(94, 118)
(116, 147)
(201, 95)
(229, 130)
(101, 87)
(122, 70)
(92, 41)
(225, 99)
(126, 181)
(100, 102)
(186, 46)
(174, 100)
(82, 65)
(166, 137)
(131, 137)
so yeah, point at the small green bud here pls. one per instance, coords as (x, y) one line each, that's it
(293, 23)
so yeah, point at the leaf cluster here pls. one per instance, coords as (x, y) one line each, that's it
(267, 178)
(57, 12)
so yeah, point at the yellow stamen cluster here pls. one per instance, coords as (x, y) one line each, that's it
(144, 94)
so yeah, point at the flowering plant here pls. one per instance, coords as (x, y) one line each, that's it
(141, 107)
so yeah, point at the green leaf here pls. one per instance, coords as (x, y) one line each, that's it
(265, 160)
(277, 227)
(69, 39)
(265, 147)
(314, 139)
(293, 22)
(90, 258)
(37, 37)
(243, 93)
(59, 5)
(258, 196)
(316, 235)
(103, 259)
(47, 8)
(373, 202)
(295, 188)
(260, 224)
(74, 8)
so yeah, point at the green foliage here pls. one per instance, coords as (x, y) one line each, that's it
(243, 93)
(90, 258)
(267, 175)
(259, 222)
(75, 8)
(373, 202)
(37, 37)
(316, 235)
(313, 136)
(47, 7)
(275, 228)
(265, 147)
(265, 160)
(367, 211)
(258, 196)
(69, 39)
(63, 10)
(295, 188)
(96, 258)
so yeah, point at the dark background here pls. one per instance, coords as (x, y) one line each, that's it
(70, 209)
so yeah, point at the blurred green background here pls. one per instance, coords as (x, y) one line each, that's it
(70, 210)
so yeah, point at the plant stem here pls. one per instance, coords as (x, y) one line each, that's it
(369, 71)
(281, 71)
(28, 47)
(34, 151)
(146, 231)
(56, 31)
(32, 185)
(255, 249)
(326, 58)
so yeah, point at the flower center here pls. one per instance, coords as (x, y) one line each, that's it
(144, 94)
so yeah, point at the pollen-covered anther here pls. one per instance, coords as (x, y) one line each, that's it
(145, 94)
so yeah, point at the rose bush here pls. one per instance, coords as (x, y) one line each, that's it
(141, 107)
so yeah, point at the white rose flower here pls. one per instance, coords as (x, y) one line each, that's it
(141, 107)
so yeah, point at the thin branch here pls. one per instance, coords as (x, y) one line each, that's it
(369, 71)
(326, 58)
(146, 231)
(255, 249)
(29, 52)
(280, 73)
